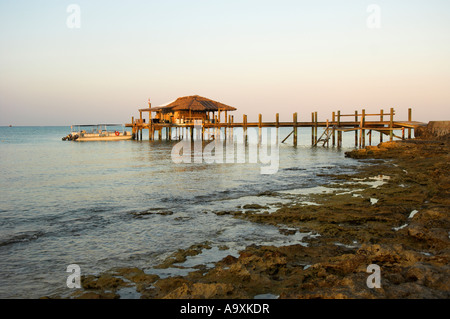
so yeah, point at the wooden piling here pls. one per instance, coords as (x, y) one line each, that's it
(360, 131)
(315, 128)
(295, 129)
(339, 143)
(391, 125)
(356, 131)
(381, 120)
(259, 128)
(333, 122)
(363, 132)
(244, 123)
(409, 120)
(231, 121)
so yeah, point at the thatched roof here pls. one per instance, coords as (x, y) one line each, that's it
(193, 103)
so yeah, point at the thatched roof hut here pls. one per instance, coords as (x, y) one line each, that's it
(188, 108)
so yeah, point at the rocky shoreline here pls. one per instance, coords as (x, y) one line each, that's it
(393, 213)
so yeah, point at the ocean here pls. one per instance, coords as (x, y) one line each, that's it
(102, 205)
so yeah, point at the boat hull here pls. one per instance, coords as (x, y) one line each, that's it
(104, 138)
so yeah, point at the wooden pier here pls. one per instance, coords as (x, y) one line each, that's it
(361, 123)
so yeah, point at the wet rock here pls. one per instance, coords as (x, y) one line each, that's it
(136, 275)
(151, 212)
(285, 231)
(181, 255)
(94, 295)
(102, 282)
(254, 206)
(201, 291)
(227, 212)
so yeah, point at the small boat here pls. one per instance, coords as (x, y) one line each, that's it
(97, 132)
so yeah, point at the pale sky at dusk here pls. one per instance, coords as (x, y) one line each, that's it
(259, 56)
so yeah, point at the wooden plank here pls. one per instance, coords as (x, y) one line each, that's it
(287, 136)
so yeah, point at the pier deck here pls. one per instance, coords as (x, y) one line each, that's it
(333, 129)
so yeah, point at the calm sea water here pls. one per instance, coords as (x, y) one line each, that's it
(67, 203)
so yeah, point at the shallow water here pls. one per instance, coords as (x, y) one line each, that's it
(111, 204)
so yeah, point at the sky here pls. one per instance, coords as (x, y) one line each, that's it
(259, 56)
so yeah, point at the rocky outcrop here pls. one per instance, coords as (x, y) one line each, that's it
(433, 130)
(405, 232)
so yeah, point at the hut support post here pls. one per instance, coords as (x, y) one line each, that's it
(216, 126)
(203, 131)
(381, 120)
